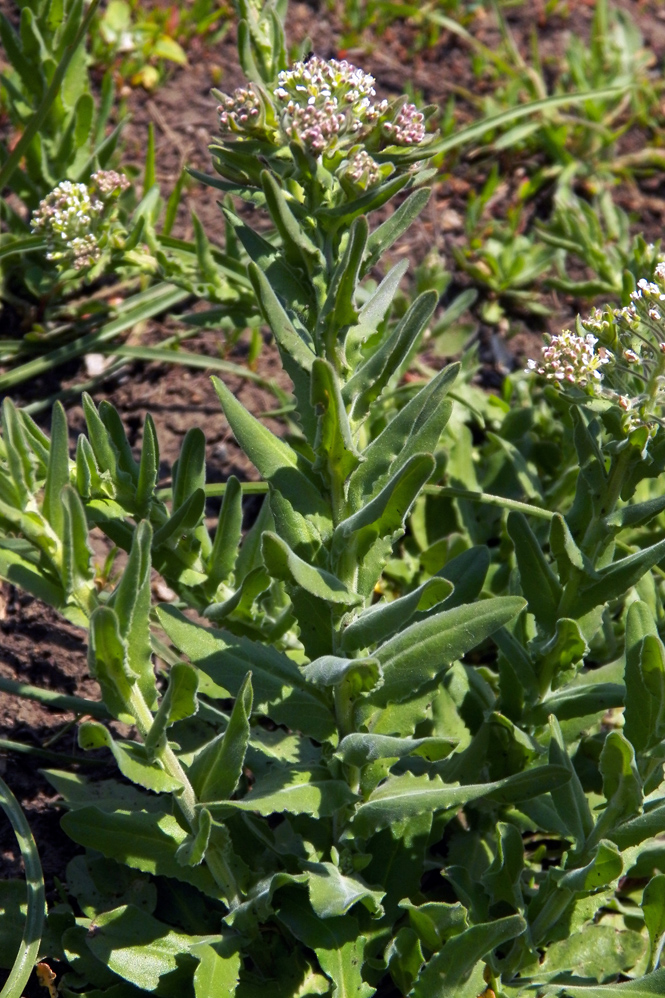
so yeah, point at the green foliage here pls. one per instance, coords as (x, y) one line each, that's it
(406, 730)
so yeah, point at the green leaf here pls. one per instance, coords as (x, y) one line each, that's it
(570, 801)
(299, 249)
(565, 648)
(57, 475)
(614, 580)
(414, 430)
(448, 969)
(189, 471)
(564, 549)
(337, 942)
(279, 689)
(242, 601)
(501, 880)
(192, 851)
(336, 453)
(597, 951)
(653, 906)
(186, 518)
(107, 663)
(578, 701)
(217, 972)
(369, 381)
(143, 840)
(317, 797)
(425, 649)
(131, 757)
(179, 701)
(359, 674)
(227, 535)
(338, 310)
(622, 786)
(275, 461)
(408, 795)
(148, 468)
(359, 748)
(292, 342)
(436, 921)
(217, 768)
(605, 867)
(332, 894)
(642, 708)
(636, 515)
(380, 621)
(383, 237)
(136, 946)
(77, 568)
(538, 579)
(649, 986)
(131, 603)
(283, 564)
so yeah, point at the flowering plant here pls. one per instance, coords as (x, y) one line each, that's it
(381, 753)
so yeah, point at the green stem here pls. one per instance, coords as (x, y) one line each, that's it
(59, 701)
(34, 921)
(186, 798)
(60, 758)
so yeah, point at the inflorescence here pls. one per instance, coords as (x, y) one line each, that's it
(71, 218)
(326, 106)
(628, 344)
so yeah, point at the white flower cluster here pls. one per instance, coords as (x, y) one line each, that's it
(362, 171)
(320, 103)
(71, 216)
(65, 218)
(408, 128)
(571, 358)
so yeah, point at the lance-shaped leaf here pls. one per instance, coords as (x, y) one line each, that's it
(425, 649)
(310, 792)
(107, 663)
(361, 748)
(383, 237)
(217, 768)
(448, 969)
(292, 342)
(382, 620)
(539, 583)
(578, 701)
(407, 795)
(269, 259)
(635, 515)
(648, 986)
(299, 249)
(189, 471)
(77, 570)
(338, 310)
(338, 943)
(641, 708)
(336, 454)
(148, 468)
(332, 894)
(283, 564)
(126, 464)
(131, 602)
(274, 459)
(18, 453)
(358, 674)
(375, 310)
(565, 648)
(653, 906)
(142, 840)
(227, 536)
(367, 384)
(569, 800)
(415, 429)
(218, 969)
(186, 518)
(565, 550)
(637, 830)
(254, 583)
(193, 849)
(384, 516)
(132, 759)
(502, 878)
(622, 786)
(179, 701)
(57, 475)
(605, 867)
(614, 580)
(467, 572)
(280, 691)
(436, 921)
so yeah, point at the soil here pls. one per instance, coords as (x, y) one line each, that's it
(36, 646)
